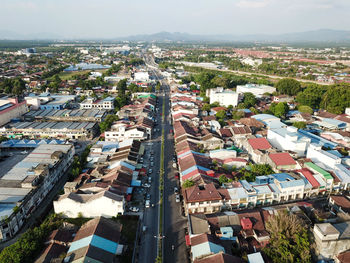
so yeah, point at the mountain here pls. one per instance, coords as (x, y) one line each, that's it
(322, 35)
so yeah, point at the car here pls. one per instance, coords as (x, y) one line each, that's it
(134, 209)
(144, 228)
(177, 198)
(177, 175)
(152, 153)
(148, 203)
(149, 180)
(146, 185)
(151, 159)
(148, 197)
(152, 164)
(176, 190)
(150, 171)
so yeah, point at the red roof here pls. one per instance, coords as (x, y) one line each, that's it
(309, 176)
(282, 159)
(259, 143)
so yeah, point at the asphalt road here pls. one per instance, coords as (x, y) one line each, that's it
(150, 217)
(173, 222)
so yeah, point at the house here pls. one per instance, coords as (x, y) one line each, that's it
(205, 244)
(316, 154)
(123, 131)
(97, 241)
(204, 199)
(257, 148)
(331, 239)
(102, 203)
(283, 98)
(219, 258)
(222, 96)
(281, 161)
(269, 120)
(331, 124)
(340, 204)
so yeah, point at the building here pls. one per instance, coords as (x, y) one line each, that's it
(224, 97)
(92, 103)
(141, 76)
(281, 162)
(205, 244)
(66, 115)
(27, 184)
(97, 241)
(122, 131)
(71, 130)
(288, 139)
(90, 204)
(255, 89)
(47, 101)
(11, 108)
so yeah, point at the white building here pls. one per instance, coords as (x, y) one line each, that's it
(141, 76)
(288, 139)
(103, 203)
(91, 103)
(252, 62)
(316, 154)
(257, 90)
(121, 131)
(224, 97)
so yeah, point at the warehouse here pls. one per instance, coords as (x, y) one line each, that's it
(66, 115)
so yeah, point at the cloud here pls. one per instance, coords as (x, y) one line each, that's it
(252, 4)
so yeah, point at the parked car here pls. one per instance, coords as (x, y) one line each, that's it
(152, 164)
(134, 209)
(148, 203)
(148, 197)
(177, 198)
(150, 171)
(149, 180)
(177, 175)
(146, 185)
(176, 190)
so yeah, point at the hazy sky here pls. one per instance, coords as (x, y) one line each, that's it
(113, 18)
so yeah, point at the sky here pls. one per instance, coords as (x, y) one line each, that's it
(117, 18)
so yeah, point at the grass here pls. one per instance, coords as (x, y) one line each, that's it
(66, 75)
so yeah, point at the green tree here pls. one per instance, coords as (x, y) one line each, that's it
(336, 99)
(187, 183)
(288, 86)
(249, 100)
(223, 179)
(206, 107)
(221, 114)
(300, 124)
(281, 109)
(306, 109)
(289, 241)
(311, 96)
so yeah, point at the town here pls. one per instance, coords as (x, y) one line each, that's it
(165, 151)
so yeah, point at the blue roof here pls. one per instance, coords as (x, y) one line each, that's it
(95, 241)
(317, 139)
(282, 177)
(5, 106)
(334, 122)
(263, 116)
(191, 169)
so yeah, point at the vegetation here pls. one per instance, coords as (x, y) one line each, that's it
(289, 241)
(28, 246)
(280, 110)
(223, 179)
(108, 121)
(288, 86)
(188, 183)
(15, 86)
(249, 100)
(306, 109)
(79, 163)
(300, 124)
(311, 96)
(336, 99)
(249, 173)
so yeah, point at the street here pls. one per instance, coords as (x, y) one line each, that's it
(173, 222)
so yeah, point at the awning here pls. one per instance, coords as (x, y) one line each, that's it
(188, 240)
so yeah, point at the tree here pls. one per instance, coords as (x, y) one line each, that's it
(300, 124)
(206, 107)
(311, 96)
(18, 86)
(288, 86)
(221, 114)
(281, 110)
(223, 179)
(306, 109)
(187, 183)
(336, 99)
(249, 100)
(289, 241)
(107, 123)
(261, 169)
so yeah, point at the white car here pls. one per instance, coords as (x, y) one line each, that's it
(146, 185)
(148, 203)
(177, 198)
(134, 209)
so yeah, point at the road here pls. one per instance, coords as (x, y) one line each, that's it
(174, 223)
